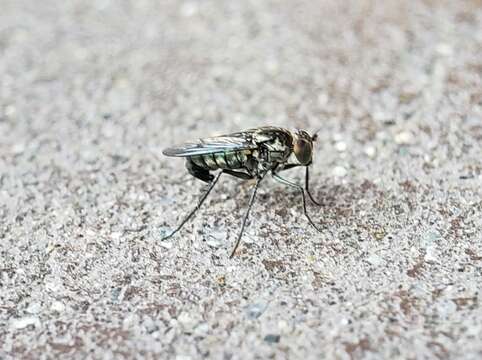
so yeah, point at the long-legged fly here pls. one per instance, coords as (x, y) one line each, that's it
(250, 154)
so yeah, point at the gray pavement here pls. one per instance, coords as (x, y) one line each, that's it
(90, 94)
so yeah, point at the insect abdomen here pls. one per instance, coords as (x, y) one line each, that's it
(221, 160)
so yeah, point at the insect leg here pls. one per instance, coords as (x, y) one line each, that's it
(302, 191)
(238, 174)
(191, 214)
(307, 187)
(290, 166)
(250, 204)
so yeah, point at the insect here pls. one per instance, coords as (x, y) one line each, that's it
(250, 154)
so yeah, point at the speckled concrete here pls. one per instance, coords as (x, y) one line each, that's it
(91, 94)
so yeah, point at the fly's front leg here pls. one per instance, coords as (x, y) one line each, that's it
(307, 181)
(307, 187)
(302, 191)
(245, 218)
(201, 201)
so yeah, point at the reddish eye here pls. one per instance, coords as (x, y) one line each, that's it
(303, 150)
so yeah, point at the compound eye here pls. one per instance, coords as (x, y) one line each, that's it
(303, 151)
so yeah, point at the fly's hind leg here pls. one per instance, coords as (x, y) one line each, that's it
(246, 215)
(212, 182)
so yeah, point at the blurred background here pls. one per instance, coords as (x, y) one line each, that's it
(90, 94)
(153, 73)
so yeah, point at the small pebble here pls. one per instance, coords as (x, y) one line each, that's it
(24, 322)
(34, 308)
(189, 9)
(404, 138)
(446, 308)
(340, 146)
(216, 239)
(376, 260)
(323, 99)
(272, 339)
(272, 67)
(431, 254)
(339, 171)
(202, 328)
(115, 294)
(221, 280)
(57, 306)
(370, 151)
(10, 110)
(215, 243)
(429, 238)
(18, 148)
(382, 116)
(444, 49)
(254, 311)
(116, 235)
(183, 357)
(150, 326)
(284, 326)
(187, 321)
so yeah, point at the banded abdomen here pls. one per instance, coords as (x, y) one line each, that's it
(221, 160)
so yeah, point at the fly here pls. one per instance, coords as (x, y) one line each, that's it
(250, 154)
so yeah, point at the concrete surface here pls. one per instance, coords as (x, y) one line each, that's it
(91, 92)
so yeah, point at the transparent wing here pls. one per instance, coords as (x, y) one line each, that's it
(210, 145)
(244, 140)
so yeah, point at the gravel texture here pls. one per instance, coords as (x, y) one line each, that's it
(91, 92)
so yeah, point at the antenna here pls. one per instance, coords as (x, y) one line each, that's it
(315, 134)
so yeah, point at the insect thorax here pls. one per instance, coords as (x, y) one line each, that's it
(277, 151)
